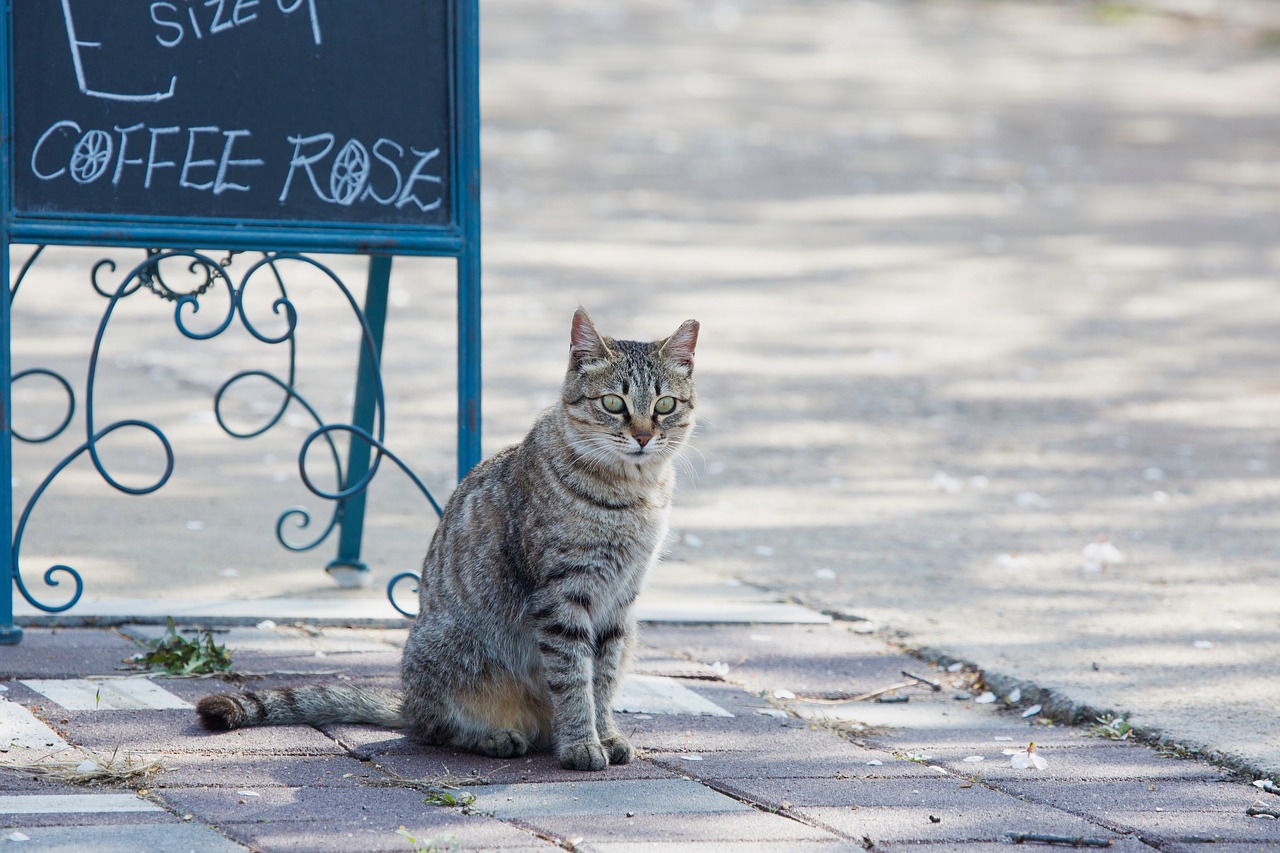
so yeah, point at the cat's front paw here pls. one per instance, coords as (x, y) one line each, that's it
(504, 743)
(618, 748)
(588, 755)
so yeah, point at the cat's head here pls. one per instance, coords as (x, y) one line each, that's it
(627, 401)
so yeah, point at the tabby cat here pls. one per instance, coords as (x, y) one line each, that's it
(524, 625)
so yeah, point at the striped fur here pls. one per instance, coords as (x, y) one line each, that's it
(524, 626)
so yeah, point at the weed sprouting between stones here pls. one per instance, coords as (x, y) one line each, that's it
(176, 655)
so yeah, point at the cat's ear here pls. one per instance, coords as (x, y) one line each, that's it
(679, 347)
(585, 343)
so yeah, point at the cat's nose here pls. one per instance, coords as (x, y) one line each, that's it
(642, 438)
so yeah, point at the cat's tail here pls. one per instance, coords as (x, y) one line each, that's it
(312, 704)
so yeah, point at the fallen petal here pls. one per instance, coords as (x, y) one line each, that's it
(986, 698)
(1032, 711)
(783, 694)
(974, 759)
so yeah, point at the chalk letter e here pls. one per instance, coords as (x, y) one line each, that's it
(76, 44)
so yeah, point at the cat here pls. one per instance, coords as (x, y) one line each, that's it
(524, 626)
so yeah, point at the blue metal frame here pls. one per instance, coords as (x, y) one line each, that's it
(461, 240)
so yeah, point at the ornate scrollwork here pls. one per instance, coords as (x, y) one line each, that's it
(210, 274)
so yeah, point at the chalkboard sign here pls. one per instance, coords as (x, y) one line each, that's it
(302, 121)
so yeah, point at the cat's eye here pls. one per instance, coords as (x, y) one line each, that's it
(613, 404)
(665, 405)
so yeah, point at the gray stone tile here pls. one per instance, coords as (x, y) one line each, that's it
(352, 664)
(67, 653)
(978, 731)
(471, 832)
(1206, 846)
(1166, 827)
(187, 770)
(1093, 763)
(813, 659)
(793, 846)
(539, 767)
(370, 741)
(721, 827)
(373, 807)
(1170, 796)
(126, 838)
(89, 819)
(645, 796)
(987, 822)
(817, 758)
(858, 793)
(743, 732)
(179, 731)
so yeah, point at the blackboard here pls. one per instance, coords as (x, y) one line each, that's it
(229, 113)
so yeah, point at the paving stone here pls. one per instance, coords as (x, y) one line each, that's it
(711, 734)
(471, 832)
(159, 818)
(810, 761)
(127, 838)
(193, 689)
(794, 845)
(989, 821)
(81, 694)
(186, 770)
(67, 653)
(352, 664)
(748, 825)
(430, 762)
(179, 731)
(646, 796)
(1084, 763)
(1206, 846)
(375, 807)
(858, 793)
(976, 731)
(1172, 826)
(1170, 796)
(647, 661)
(649, 694)
(924, 713)
(14, 780)
(92, 803)
(21, 729)
(282, 640)
(365, 742)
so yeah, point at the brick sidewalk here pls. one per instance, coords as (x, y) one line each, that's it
(778, 774)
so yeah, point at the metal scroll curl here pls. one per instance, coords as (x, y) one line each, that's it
(187, 290)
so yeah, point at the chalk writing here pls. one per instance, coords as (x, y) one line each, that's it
(77, 45)
(91, 154)
(180, 20)
(290, 110)
(351, 173)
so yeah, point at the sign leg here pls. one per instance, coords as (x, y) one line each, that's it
(347, 569)
(10, 634)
